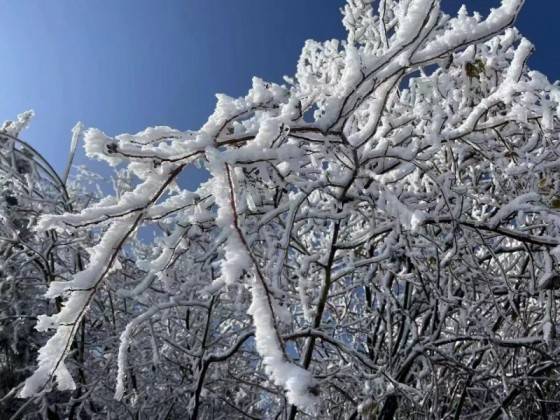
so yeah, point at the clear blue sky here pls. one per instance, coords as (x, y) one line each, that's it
(123, 65)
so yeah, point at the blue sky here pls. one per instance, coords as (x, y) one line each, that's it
(123, 65)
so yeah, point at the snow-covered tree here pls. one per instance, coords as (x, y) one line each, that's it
(29, 261)
(378, 236)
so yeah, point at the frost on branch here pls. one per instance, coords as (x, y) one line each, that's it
(378, 236)
(299, 383)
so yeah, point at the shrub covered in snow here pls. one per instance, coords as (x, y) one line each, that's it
(378, 236)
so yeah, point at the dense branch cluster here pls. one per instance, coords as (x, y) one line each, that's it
(378, 237)
(29, 261)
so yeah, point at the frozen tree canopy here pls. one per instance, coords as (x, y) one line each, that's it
(379, 237)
